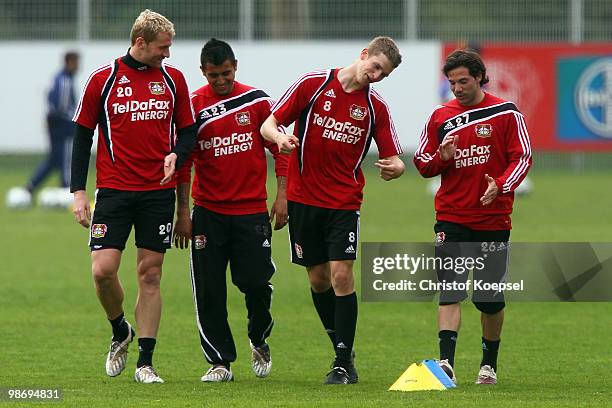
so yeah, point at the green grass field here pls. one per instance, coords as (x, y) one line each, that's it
(54, 333)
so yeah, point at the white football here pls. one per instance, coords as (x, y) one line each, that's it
(433, 185)
(64, 198)
(525, 188)
(54, 197)
(46, 197)
(18, 198)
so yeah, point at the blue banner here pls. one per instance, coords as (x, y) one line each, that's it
(584, 89)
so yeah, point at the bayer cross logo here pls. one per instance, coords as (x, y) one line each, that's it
(594, 98)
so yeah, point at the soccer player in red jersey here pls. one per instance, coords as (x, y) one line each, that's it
(230, 221)
(136, 102)
(337, 114)
(479, 145)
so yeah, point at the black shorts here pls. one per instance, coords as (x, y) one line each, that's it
(245, 241)
(319, 235)
(116, 211)
(487, 249)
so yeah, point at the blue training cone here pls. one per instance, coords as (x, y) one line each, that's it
(423, 376)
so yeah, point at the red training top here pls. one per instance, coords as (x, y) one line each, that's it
(135, 108)
(493, 140)
(229, 157)
(335, 129)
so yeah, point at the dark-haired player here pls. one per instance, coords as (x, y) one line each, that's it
(230, 221)
(479, 145)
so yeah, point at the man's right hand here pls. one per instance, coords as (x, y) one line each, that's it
(448, 147)
(82, 208)
(286, 143)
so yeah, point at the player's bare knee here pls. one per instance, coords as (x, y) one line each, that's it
(490, 308)
(150, 277)
(103, 274)
(319, 277)
(319, 283)
(343, 281)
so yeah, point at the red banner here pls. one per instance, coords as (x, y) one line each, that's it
(564, 90)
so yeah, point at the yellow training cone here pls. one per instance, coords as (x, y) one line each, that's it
(426, 375)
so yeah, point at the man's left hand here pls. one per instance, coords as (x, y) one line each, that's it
(169, 168)
(491, 192)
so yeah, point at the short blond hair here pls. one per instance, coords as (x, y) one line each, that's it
(148, 24)
(387, 47)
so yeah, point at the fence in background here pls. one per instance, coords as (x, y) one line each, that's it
(447, 20)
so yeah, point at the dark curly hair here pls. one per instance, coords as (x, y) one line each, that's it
(469, 59)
